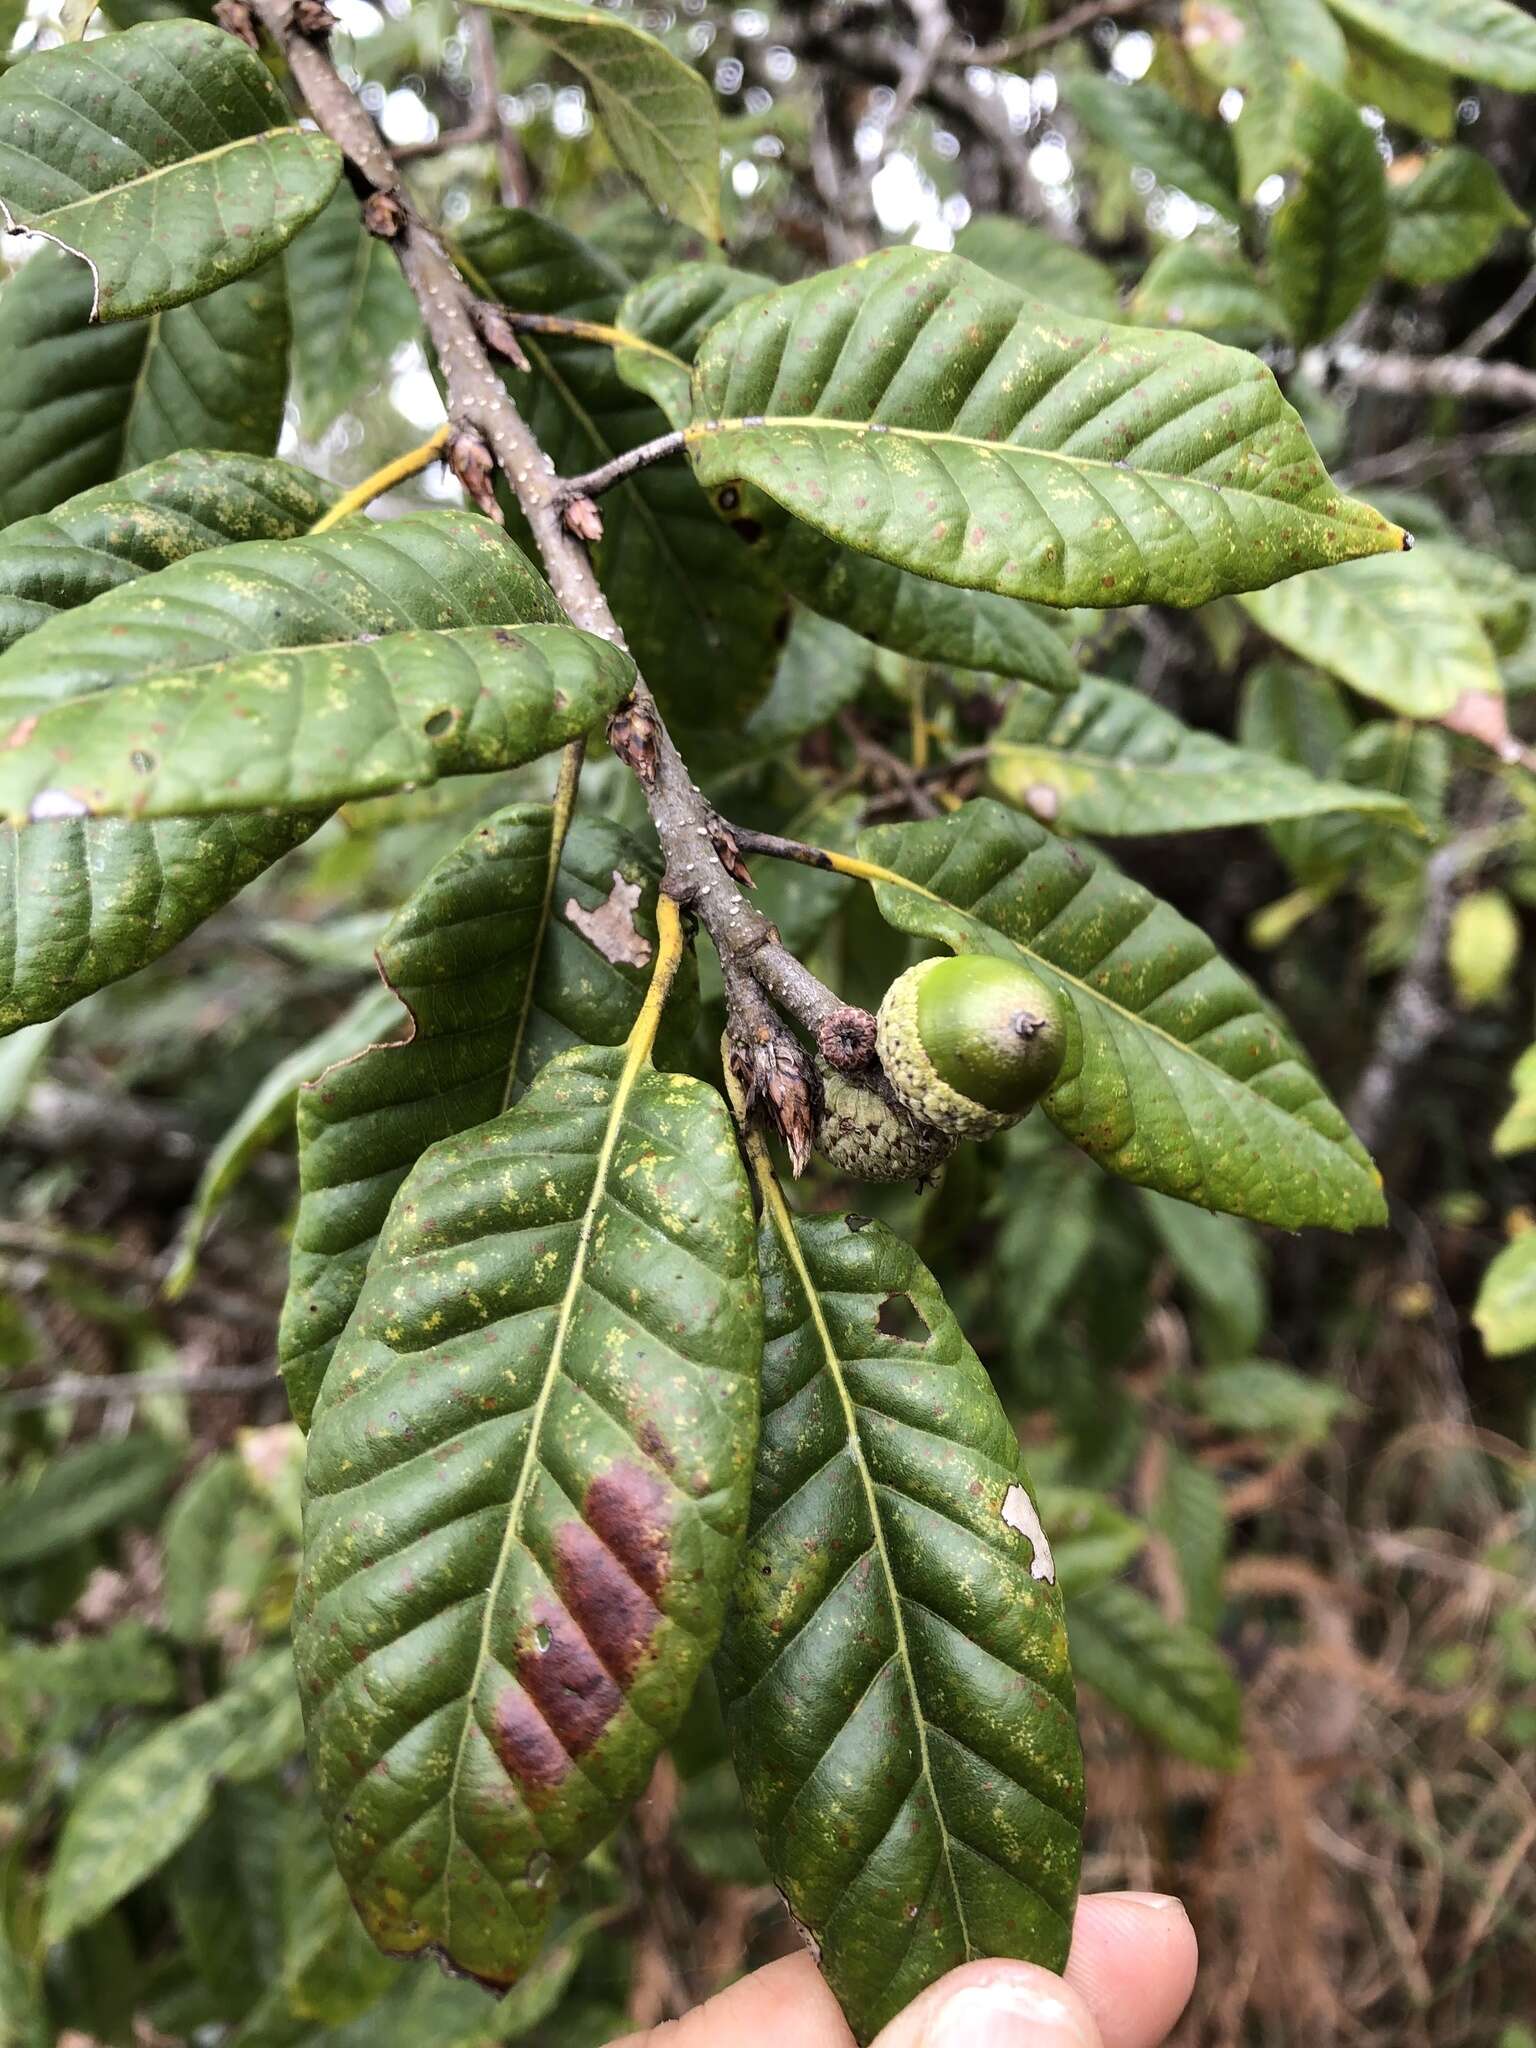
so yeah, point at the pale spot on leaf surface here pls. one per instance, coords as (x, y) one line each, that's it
(1019, 1513)
(611, 926)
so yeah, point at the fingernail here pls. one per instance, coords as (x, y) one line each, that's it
(1157, 1902)
(1007, 2015)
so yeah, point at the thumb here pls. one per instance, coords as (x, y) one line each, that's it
(994, 2005)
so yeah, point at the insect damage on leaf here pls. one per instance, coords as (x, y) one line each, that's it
(611, 926)
(1018, 1511)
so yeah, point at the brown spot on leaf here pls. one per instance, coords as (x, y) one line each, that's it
(611, 1568)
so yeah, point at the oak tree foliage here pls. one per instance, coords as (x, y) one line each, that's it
(779, 599)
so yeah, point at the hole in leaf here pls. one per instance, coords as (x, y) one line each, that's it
(748, 530)
(140, 762)
(899, 1316)
(540, 1864)
(541, 1637)
(439, 723)
(729, 498)
(856, 1222)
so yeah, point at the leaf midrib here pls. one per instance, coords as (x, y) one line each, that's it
(783, 1224)
(637, 1056)
(1343, 797)
(195, 672)
(933, 437)
(182, 163)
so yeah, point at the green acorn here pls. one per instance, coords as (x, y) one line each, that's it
(867, 1134)
(970, 1043)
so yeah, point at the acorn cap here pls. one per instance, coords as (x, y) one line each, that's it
(970, 1042)
(870, 1137)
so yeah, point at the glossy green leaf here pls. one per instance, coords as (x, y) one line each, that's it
(1091, 1540)
(1396, 630)
(1190, 1514)
(1505, 1313)
(255, 676)
(702, 618)
(1416, 95)
(670, 313)
(85, 901)
(194, 174)
(494, 979)
(894, 1672)
(1516, 1131)
(195, 1538)
(117, 532)
(1258, 1397)
(543, 1414)
(223, 1892)
(1040, 263)
(1301, 716)
(1219, 1268)
(910, 614)
(1177, 1075)
(1207, 289)
(317, 728)
(79, 1493)
(123, 1667)
(1107, 760)
(823, 669)
(1262, 47)
(358, 583)
(81, 403)
(1448, 211)
(888, 605)
(135, 1813)
(1486, 39)
(658, 114)
(1328, 241)
(923, 412)
(266, 1114)
(91, 900)
(1165, 1677)
(352, 308)
(1148, 126)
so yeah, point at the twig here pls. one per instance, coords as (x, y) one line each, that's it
(1428, 457)
(1050, 32)
(607, 474)
(922, 60)
(1405, 376)
(689, 832)
(513, 180)
(1502, 319)
(891, 765)
(137, 1386)
(480, 127)
(1414, 1015)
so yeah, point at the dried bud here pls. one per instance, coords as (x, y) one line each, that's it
(312, 18)
(236, 19)
(581, 517)
(723, 839)
(498, 333)
(384, 215)
(776, 1078)
(632, 736)
(471, 461)
(846, 1039)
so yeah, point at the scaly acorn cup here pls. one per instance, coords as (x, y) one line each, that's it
(870, 1137)
(970, 1043)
